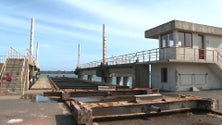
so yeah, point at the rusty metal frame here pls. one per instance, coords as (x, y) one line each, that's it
(91, 105)
(87, 112)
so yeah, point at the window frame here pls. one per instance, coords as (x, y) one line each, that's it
(164, 75)
(167, 40)
(161, 42)
(184, 42)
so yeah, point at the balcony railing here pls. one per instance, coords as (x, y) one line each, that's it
(185, 54)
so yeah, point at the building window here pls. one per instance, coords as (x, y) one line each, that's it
(163, 41)
(171, 42)
(184, 39)
(163, 74)
(188, 40)
(167, 40)
(180, 39)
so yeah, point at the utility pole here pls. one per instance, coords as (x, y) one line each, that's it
(78, 65)
(104, 45)
(37, 52)
(32, 36)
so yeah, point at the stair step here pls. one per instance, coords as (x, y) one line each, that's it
(11, 85)
(4, 92)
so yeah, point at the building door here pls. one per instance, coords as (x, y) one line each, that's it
(201, 47)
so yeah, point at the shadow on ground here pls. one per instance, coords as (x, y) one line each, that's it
(65, 120)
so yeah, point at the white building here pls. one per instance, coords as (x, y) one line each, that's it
(190, 55)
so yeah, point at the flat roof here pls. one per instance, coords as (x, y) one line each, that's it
(182, 26)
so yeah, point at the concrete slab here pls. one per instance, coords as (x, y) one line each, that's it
(42, 83)
(26, 112)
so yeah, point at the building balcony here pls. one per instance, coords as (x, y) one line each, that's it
(188, 54)
(168, 54)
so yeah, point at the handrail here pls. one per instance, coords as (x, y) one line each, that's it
(219, 59)
(12, 53)
(22, 73)
(30, 56)
(3, 69)
(2, 58)
(162, 54)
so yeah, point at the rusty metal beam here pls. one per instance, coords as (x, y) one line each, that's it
(86, 112)
(92, 93)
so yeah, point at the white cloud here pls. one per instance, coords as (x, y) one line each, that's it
(126, 15)
(44, 45)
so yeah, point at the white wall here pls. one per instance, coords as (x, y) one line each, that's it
(213, 42)
(198, 75)
(183, 76)
(156, 76)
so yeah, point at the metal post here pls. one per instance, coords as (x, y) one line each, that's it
(37, 52)
(78, 65)
(125, 81)
(118, 80)
(104, 45)
(32, 36)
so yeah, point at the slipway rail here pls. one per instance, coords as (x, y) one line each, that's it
(90, 102)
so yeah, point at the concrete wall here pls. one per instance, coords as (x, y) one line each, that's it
(118, 72)
(184, 26)
(183, 76)
(213, 42)
(198, 75)
(167, 53)
(141, 76)
(170, 85)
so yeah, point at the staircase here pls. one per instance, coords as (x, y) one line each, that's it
(216, 66)
(15, 67)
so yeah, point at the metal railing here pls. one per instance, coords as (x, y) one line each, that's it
(219, 59)
(2, 58)
(3, 69)
(31, 58)
(22, 77)
(185, 54)
(12, 53)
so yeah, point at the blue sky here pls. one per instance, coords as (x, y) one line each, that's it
(60, 25)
